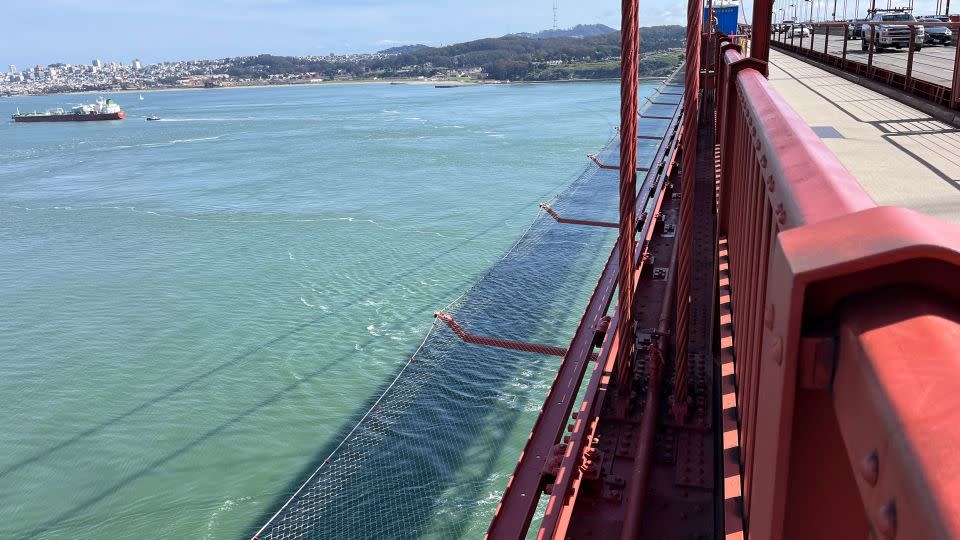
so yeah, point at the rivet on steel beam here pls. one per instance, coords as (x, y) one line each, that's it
(769, 317)
(887, 520)
(763, 159)
(776, 350)
(870, 468)
(756, 144)
(771, 185)
(753, 131)
(781, 214)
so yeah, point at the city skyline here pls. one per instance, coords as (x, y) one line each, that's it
(178, 30)
(181, 30)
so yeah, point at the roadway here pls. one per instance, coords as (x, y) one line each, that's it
(934, 63)
(901, 156)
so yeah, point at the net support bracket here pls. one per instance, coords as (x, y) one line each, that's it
(602, 165)
(497, 342)
(553, 213)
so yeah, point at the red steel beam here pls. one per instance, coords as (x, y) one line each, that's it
(519, 501)
(640, 479)
(557, 516)
(512, 516)
(565, 490)
(567, 485)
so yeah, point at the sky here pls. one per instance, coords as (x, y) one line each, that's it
(77, 31)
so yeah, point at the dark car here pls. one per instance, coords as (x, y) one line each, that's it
(937, 34)
(856, 29)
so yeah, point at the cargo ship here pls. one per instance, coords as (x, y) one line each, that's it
(103, 109)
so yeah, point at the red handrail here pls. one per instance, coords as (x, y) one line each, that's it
(803, 240)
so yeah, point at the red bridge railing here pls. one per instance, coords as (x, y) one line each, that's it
(840, 330)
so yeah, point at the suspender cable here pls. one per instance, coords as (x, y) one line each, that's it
(684, 236)
(629, 74)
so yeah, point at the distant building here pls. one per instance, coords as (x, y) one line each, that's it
(97, 63)
(52, 72)
(13, 68)
(136, 64)
(38, 71)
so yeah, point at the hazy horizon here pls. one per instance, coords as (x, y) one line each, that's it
(77, 31)
(50, 31)
(379, 48)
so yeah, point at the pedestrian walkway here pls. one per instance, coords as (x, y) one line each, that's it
(900, 155)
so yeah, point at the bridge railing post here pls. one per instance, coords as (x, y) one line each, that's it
(955, 87)
(910, 50)
(846, 38)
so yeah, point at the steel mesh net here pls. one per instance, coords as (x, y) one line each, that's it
(431, 457)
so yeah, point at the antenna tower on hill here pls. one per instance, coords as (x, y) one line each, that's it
(556, 4)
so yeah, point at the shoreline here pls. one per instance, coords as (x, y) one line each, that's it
(417, 82)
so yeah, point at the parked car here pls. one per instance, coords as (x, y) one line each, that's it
(937, 34)
(798, 31)
(889, 34)
(856, 29)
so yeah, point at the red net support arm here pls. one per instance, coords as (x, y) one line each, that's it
(560, 219)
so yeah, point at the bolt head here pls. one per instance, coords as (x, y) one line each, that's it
(769, 317)
(870, 468)
(887, 520)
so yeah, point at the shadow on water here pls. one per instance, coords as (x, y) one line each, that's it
(418, 464)
(233, 420)
(444, 411)
(234, 360)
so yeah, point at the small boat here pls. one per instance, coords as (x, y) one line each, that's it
(141, 97)
(153, 117)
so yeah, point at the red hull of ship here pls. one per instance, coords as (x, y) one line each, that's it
(70, 117)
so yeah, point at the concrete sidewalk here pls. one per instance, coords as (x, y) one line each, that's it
(901, 156)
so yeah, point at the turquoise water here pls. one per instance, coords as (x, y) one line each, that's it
(191, 309)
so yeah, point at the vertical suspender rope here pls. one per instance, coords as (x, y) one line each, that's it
(629, 73)
(684, 232)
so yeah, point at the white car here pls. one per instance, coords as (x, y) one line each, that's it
(889, 34)
(798, 31)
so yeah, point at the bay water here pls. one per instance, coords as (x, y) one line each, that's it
(190, 308)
